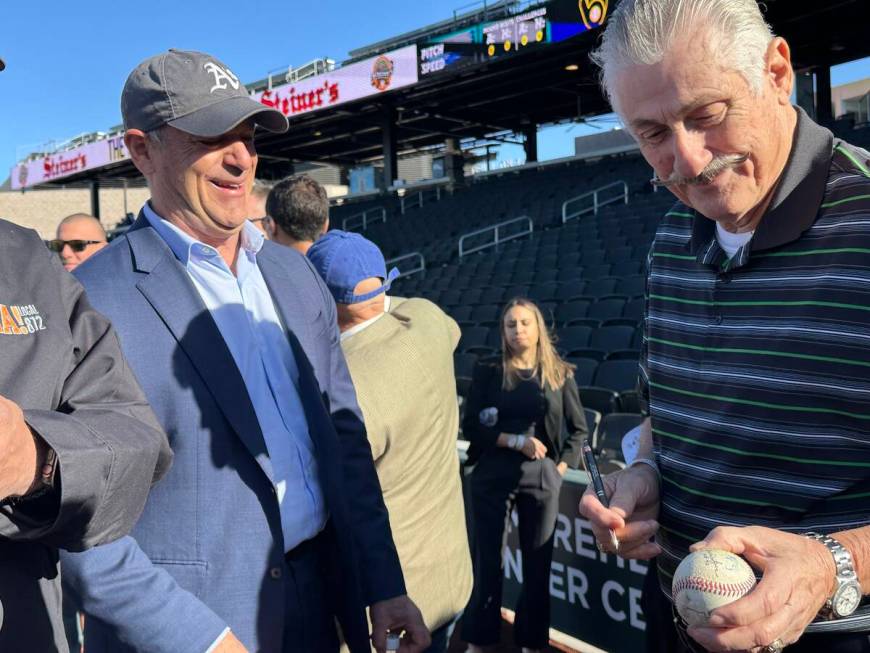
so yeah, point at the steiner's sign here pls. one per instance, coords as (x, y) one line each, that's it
(63, 164)
(594, 597)
(373, 76)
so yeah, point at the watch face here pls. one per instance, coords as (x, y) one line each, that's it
(846, 600)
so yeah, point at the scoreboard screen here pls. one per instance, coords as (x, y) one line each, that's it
(450, 51)
(550, 22)
(516, 32)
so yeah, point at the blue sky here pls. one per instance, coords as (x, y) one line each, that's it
(67, 61)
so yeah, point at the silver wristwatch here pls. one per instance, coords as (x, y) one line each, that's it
(847, 594)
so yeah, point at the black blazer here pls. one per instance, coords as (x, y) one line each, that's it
(563, 406)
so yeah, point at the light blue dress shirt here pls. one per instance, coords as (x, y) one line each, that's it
(246, 317)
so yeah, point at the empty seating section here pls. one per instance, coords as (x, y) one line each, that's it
(434, 228)
(587, 275)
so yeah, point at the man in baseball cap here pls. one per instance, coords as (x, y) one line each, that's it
(400, 355)
(352, 267)
(267, 529)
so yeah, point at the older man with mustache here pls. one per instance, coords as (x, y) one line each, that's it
(755, 362)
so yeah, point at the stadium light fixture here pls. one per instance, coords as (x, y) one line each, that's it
(572, 67)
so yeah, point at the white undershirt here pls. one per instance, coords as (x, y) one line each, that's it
(363, 325)
(732, 242)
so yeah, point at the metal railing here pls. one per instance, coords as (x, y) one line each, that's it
(497, 231)
(364, 219)
(417, 199)
(421, 264)
(597, 202)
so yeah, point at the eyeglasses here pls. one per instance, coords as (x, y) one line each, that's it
(57, 245)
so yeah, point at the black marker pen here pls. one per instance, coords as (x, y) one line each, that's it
(597, 485)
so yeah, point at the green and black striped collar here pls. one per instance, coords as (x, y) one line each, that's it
(796, 201)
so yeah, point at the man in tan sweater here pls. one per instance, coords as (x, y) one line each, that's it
(400, 355)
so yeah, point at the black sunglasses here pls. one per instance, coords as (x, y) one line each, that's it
(57, 244)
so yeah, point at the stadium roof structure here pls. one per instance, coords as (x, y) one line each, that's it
(496, 97)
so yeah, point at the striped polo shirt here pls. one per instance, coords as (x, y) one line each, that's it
(756, 369)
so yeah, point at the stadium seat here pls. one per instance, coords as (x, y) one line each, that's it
(593, 272)
(473, 337)
(593, 419)
(623, 354)
(492, 295)
(573, 337)
(572, 310)
(463, 364)
(632, 286)
(585, 369)
(601, 287)
(592, 354)
(583, 321)
(629, 401)
(634, 309)
(616, 375)
(606, 309)
(543, 292)
(611, 431)
(620, 321)
(603, 400)
(486, 313)
(463, 383)
(612, 337)
(568, 290)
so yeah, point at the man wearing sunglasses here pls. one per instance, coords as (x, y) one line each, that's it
(79, 236)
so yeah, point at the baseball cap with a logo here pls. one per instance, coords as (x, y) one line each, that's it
(343, 259)
(193, 92)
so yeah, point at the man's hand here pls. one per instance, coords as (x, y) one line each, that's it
(562, 468)
(799, 576)
(230, 644)
(634, 507)
(18, 459)
(396, 615)
(534, 449)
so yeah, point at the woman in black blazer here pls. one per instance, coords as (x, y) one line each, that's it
(515, 420)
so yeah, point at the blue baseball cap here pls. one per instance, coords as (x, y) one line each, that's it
(343, 259)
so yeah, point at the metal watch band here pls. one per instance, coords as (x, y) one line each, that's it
(845, 570)
(842, 557)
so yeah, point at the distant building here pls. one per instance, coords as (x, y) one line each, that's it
(853, 98)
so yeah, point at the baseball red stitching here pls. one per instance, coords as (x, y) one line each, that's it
(713, 586)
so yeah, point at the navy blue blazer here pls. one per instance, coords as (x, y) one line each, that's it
(208, 551)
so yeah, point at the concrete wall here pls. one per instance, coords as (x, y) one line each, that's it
(44, 209)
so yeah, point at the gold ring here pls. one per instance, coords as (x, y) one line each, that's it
(775, 646)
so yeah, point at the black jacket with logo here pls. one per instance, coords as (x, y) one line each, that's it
(61, 362)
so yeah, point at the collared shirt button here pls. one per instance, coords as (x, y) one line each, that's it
(275, 573)
(717, 319)
(724, 277)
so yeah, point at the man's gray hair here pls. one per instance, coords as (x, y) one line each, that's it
(642, 31)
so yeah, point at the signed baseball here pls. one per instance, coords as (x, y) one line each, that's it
(709, 579)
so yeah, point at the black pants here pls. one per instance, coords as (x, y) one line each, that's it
(504, 478)
(665, 636)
